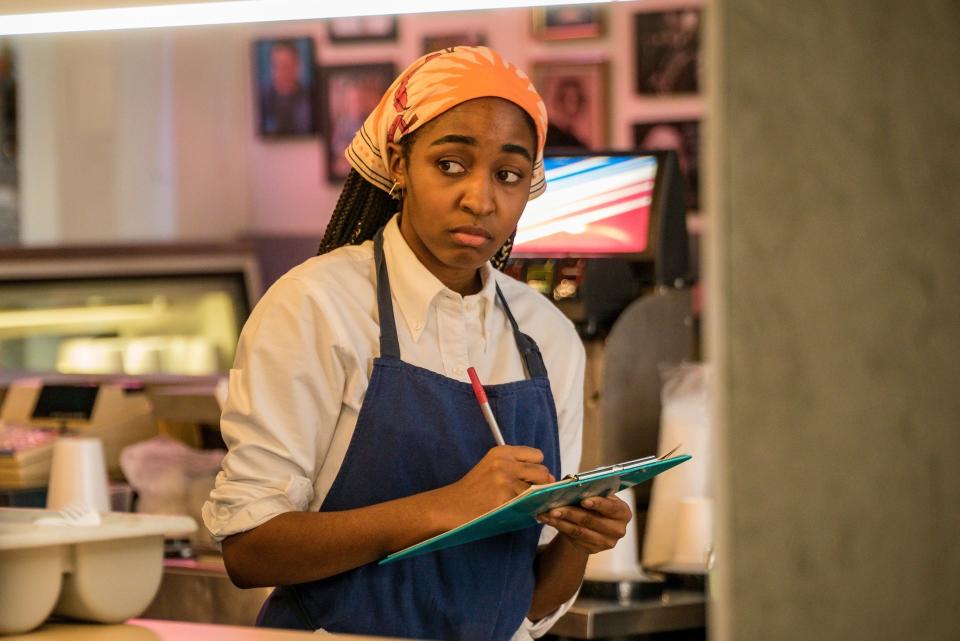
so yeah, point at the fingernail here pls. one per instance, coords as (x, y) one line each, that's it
(589, 503)
(556, 514)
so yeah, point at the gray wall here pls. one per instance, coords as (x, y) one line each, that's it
(835, 318)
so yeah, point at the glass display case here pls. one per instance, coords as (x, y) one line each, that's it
(137, 310)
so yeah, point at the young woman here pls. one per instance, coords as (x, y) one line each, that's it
(352, 427)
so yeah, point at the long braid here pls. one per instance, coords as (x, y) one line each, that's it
(361, 210)
(499, 260)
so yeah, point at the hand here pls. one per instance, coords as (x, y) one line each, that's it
(595, 526)
(503, 473)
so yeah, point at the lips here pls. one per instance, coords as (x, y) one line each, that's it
(470, 235)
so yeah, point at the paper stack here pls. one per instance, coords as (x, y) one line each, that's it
(25, 455)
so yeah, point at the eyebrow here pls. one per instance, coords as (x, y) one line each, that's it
(470, 140)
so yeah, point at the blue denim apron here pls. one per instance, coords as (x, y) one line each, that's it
(418, 430)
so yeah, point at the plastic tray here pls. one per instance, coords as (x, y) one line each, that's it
(107, 573)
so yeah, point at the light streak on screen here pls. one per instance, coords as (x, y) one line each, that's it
(593, 205)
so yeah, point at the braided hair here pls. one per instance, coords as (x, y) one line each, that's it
(361, 210)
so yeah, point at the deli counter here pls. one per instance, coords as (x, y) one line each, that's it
(139, 310)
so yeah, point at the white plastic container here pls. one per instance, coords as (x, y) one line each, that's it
(107, 573)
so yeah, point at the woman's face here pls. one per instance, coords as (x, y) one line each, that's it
(466, 182)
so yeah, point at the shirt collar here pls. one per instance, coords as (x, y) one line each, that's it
(414, 287)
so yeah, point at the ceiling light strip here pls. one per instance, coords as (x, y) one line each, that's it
(233, 12)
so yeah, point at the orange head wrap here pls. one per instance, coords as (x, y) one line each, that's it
(430, 86)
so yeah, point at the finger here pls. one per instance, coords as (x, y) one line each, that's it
(533, 473)
(587, 539)
(588, 520)
(519, 487)
(609, 506)
(524, 453)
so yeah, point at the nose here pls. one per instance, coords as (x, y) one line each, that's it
(477, 196)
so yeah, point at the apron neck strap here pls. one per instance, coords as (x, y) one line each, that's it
(389, 344)
(529, 351)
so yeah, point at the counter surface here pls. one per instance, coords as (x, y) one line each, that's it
(600, 618)
(150, 630)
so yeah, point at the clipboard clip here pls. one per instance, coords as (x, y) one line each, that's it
(610, 469)
(613, 469)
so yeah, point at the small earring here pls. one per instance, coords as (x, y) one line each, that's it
(399, 194)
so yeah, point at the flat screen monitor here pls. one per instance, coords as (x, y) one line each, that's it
(66, 402)
(604, 204)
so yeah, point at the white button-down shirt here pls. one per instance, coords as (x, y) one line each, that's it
(305, 358)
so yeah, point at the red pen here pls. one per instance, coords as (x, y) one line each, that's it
(485, 406)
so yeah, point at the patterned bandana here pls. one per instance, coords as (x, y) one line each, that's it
(430, 86)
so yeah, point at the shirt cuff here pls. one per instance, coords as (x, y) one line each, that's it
(540, 627)
(223, 519)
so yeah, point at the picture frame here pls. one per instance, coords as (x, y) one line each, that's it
(437, 42)
(576, 97)
(683, 137)
(569, 22)
(362, 29)
(668, 52)
(285, 85)
(350, 93)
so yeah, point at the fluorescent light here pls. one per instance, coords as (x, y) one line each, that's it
(72, 317)
(234, 12)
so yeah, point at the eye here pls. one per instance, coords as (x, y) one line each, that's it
(508, 176)
(450, 167)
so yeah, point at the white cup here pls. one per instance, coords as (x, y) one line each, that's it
(78, 473)
(694, 531)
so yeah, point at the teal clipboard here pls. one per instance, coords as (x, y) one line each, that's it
(521, 512)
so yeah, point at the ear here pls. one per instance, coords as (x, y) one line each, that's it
(396, 164)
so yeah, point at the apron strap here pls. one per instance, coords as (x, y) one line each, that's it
(529, 351)
(390, 346)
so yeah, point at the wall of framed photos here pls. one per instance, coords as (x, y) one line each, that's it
(174, 135)
(636, 65)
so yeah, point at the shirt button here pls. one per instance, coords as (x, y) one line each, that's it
(418, 326)
(470, 306)
(459, 371)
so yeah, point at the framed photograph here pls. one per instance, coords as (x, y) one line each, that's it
(442, 41)
(567, 23)
(286, 86)
(362, 29)
(576, 97)
(682, 136)
(351, 93)
(668, 51)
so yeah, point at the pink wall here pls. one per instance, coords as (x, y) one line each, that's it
(151, 135)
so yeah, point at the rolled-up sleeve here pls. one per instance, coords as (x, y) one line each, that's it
(284, 396)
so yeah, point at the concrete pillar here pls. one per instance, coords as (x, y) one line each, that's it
(834, 320)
